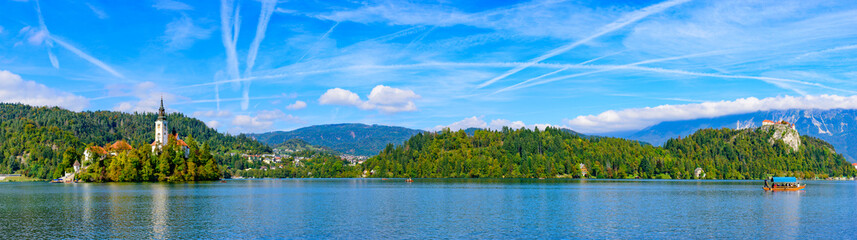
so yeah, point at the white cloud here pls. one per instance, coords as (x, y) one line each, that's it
(471, 122)
(382, 98)
(496, 124)
(213, 124)
(148, 95)
(388, 99)
(639, 118)
(500, 123)
(14, 89)
(263, 121)
(339, 96)
(171, 5)
(181, 33)
(297, 105)
(213, 113)
(246, 123)
(1, 29)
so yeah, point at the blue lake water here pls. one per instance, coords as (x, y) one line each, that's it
(429, 208)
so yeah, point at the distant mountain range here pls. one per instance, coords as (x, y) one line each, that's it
(838, 127)
(348, 138)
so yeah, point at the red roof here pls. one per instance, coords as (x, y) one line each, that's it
(97, 149)
(120, 145)
(181, 143)
(768, 121)
(854, 164)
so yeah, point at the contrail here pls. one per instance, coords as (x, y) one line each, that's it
(50, 39)
(557, 71)
(621, 22)
(391, 36)
(534, 82)
(316, 43)
(268, 7)
(836, 49)
(87, 57)
(50, 45)
(599, 58)
(764, 79)
(420, 38)
(230, 26)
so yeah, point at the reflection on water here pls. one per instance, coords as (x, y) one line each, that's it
(159, 211)
(427, 208)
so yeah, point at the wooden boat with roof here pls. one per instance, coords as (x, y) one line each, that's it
(783, 184)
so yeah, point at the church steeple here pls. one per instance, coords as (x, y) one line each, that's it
(161, 129)
(161, 115)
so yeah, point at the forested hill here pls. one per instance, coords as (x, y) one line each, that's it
(35, 139)
(720, 153)
(836, 126)
(348, 138)
(102, 127)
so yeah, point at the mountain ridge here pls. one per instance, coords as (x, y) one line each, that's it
(348, 138)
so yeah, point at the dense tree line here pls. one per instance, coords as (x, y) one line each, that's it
(722, 154)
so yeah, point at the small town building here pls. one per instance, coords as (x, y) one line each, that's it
(91, 150)
(698, 172)
(118, 147)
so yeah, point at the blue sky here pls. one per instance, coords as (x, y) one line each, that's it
(592, 66)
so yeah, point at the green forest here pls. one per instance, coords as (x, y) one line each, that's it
(39, 141)
(551, 153)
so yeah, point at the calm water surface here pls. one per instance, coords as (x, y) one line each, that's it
(428, 208)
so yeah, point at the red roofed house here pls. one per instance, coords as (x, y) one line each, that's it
(119, 146)
(87, 154)
(768, 122)
(854, 164)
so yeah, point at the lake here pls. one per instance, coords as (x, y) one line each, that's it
(428, 208)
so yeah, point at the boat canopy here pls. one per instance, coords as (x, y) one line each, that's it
(784, 179)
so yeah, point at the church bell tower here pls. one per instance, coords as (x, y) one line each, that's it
(161, 129)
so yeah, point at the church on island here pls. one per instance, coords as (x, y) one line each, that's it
(162, 136)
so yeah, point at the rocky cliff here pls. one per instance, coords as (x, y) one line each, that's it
(785, 133)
